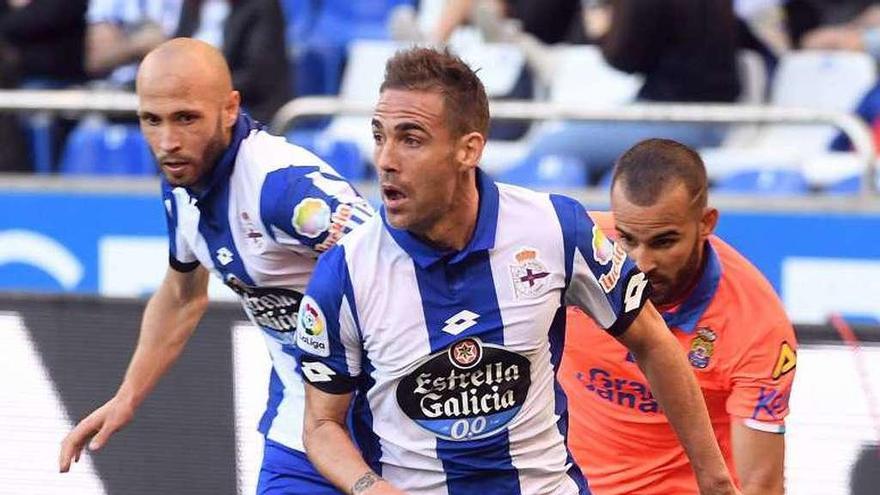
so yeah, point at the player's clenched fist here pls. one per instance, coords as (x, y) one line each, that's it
(98, 427)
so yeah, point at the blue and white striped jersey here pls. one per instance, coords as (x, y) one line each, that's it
(259, 221)
(455, 353)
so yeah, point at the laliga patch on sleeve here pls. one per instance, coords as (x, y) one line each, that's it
(311, 329)
(311, 217)
(603, 249)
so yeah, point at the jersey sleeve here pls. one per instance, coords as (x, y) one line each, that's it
(310, 206)
(328, 343)
(180, 256)
(761, 380)
(600, 278)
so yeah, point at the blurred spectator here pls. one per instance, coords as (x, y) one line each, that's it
(861, 33)
(44, 38)
(249, 32)
(41, 43)
(810, 17)
(686, 50)
(550, 21)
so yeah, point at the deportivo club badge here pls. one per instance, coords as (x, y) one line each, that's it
(529, 274)
(702, 347)
(254, 237)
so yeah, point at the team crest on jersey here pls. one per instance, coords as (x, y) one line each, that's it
(311, 335)
(253, 235)
(311, 217)
(529, 274)
(468, 391)
(702, 347)
(603, 249)
(273, 309)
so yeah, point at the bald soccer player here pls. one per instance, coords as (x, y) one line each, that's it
(724, 314)
(249, 207)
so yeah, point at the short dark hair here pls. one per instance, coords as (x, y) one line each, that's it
(428, 69)
(650, 167)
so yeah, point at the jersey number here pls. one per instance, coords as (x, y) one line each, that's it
(634, 289)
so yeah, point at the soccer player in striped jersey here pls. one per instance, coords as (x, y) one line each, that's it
(447, 315)
(722, 311)
(249, 207)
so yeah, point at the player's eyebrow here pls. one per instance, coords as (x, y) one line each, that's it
(665, 234)
(409, 126)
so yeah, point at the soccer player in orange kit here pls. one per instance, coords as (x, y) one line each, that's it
(724, 313)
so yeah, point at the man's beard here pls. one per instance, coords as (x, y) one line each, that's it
(682, 282)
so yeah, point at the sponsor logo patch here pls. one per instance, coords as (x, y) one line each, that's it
(273, 309)
(770, 404)
(311, 335)
(467, 391)
(529, 274)
(603, 249)
(311, 217)
(621, 391)
(344, 218)
(785, 362)
(609, 280)
(702, 347)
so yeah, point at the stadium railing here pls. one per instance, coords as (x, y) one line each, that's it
(116, 102)
(858, 133)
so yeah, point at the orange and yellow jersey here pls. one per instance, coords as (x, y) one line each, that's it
(741, 347)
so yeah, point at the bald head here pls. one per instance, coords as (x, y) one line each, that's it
(187, 107)
(187, 64)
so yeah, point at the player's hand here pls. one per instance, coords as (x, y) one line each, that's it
(98, 426)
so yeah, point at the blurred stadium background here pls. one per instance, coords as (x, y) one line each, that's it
(82, 239)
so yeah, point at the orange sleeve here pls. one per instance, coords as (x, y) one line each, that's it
(762, 379)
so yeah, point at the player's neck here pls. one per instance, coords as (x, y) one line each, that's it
(456, 228)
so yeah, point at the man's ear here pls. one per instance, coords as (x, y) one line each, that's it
(708, 222)
(231, 108)
(469, 150)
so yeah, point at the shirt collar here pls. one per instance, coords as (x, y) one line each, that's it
(688, 313)
(224, 165)
(484, 233)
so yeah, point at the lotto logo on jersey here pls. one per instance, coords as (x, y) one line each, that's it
(311, 336)
(311, 217)
(468, 391)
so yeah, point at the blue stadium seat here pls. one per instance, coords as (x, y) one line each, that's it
(318, 68)
(770, 182)
(341, 21)
(299, 17)
(848, 186)
(547, 172)
(98, 148)
(343, 155)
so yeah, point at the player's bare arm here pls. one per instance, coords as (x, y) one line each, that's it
(169, 319)
(107, 46)
(329, 446)
(661, 359)
(759, 457)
